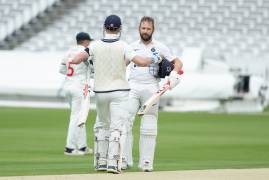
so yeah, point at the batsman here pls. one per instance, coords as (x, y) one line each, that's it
(144, 82)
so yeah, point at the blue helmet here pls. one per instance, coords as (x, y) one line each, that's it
(112, 22)
(165, 68)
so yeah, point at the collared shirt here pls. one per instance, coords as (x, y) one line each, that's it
(111, 36)
(147, 74)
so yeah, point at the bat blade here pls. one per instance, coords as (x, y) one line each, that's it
(84, 109)
(155, 97)
(153, 100)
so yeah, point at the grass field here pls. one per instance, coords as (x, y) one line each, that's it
(32, 142)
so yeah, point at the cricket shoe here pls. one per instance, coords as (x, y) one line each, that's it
(70, 152)
(78, 152)
(146, 166)
(84, 151)
(125, 165)
(113, 169)
(102, 167)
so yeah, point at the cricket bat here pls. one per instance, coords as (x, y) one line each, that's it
(153, 100)
(85, 107)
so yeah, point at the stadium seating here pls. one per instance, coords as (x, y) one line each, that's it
(222, 27)
(226, 30)
(16, 13)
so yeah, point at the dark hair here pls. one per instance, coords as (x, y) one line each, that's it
(81, 36)
(148, 19)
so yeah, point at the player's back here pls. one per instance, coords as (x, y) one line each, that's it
(109, 65)
(75, 72)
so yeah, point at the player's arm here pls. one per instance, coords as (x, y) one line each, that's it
(82, 56)
(173, 59)
(177, 64)
(131, 55)
(174, 77)
(141, 61)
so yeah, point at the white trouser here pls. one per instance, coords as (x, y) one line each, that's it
(111, 119)
(138, 95)
(76, 136)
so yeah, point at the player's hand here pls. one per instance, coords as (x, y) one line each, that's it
(174, 79)
(156, 57)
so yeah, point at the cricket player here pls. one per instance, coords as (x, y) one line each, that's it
(110, 56)
(75, 90)
(144, 83)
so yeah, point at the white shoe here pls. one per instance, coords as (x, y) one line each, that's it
(78, 152)
(112, 166)
(71, 152)
(101, 167)
(113, 169)
(85, 151)
(146, 167)
(125, 165)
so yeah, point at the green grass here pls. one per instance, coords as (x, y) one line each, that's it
(32, 142)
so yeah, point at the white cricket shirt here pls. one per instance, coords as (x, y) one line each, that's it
(76, 73)
(145, 74)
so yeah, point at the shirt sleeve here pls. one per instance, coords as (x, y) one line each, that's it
(63, 64)
(129, 53)
(165, 51)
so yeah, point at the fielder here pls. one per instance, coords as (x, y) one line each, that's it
(110, 56)
(144, 82)
(75, 90)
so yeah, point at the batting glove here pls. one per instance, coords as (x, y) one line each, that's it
(156, 57)
(174, 79)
